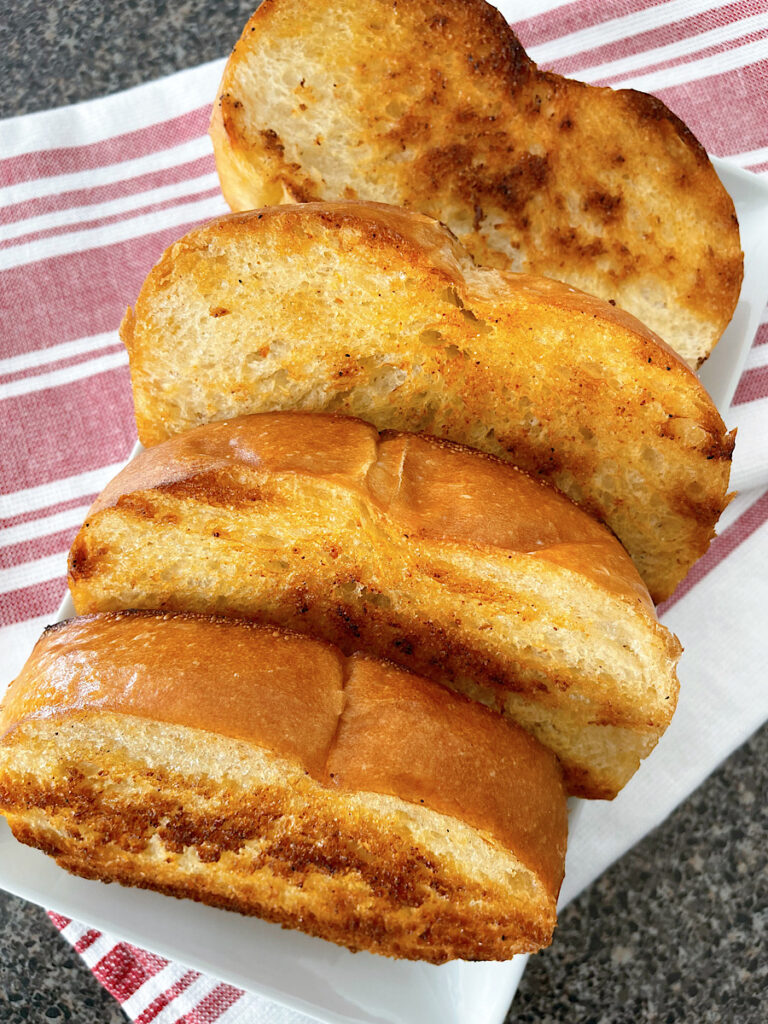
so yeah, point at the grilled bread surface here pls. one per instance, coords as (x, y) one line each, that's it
(379, 313)
(450, 563)
(435, 106)
(263, 772)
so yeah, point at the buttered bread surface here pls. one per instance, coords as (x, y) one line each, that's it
(436, 107)
(446, 561)
(379, 313)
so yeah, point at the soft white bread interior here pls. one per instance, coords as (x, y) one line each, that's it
(378, 313)
(449, 562)
(266, 773)
(435, 106)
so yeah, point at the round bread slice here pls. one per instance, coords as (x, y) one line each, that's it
(265, 773)
(448, 562)
(436, 106)
(378, 313)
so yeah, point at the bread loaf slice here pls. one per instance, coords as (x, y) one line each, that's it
(378, 313)
(448, 562)
(263, 772)
(436, 107)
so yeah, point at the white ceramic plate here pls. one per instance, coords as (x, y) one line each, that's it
(305, 973)
(721, 372)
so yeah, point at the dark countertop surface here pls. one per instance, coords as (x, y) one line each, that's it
(672, 932)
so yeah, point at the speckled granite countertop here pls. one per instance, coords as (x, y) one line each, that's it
(672, 932)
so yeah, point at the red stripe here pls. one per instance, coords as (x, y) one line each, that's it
(758, 168)
(61, 506)
(728, 113)
(61, 364)
(15, 520)
(76, 295)
(541, 28)
(146, 958)
(761, 338)
(128, 146)
(749, 521)
(86, 940)
(166, 997)
(32, 602)
(122, 972)
(752, 386)
(105, 193)
(60, 432)
(115, 218)
(58, 920)
(662, 35)
(680, 62)
(211, 1008)
(38, 547)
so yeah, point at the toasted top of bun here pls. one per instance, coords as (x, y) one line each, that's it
(436, 107)
(451, 563)
(351, 723)
(368, 310)
(129, 693)
(432, 488)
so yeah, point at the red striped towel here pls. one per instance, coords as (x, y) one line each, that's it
(90, 196)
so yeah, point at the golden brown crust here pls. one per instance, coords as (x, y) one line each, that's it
(320, 834)
(284, 692)
(347, 879)
(432, 488)
(265, 685)
(448, 562)
(407, 333)
(436, 107)
(378, 748)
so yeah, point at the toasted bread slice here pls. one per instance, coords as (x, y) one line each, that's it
(436, 107)
(450, 563)
(265, 773)
(379, 313)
